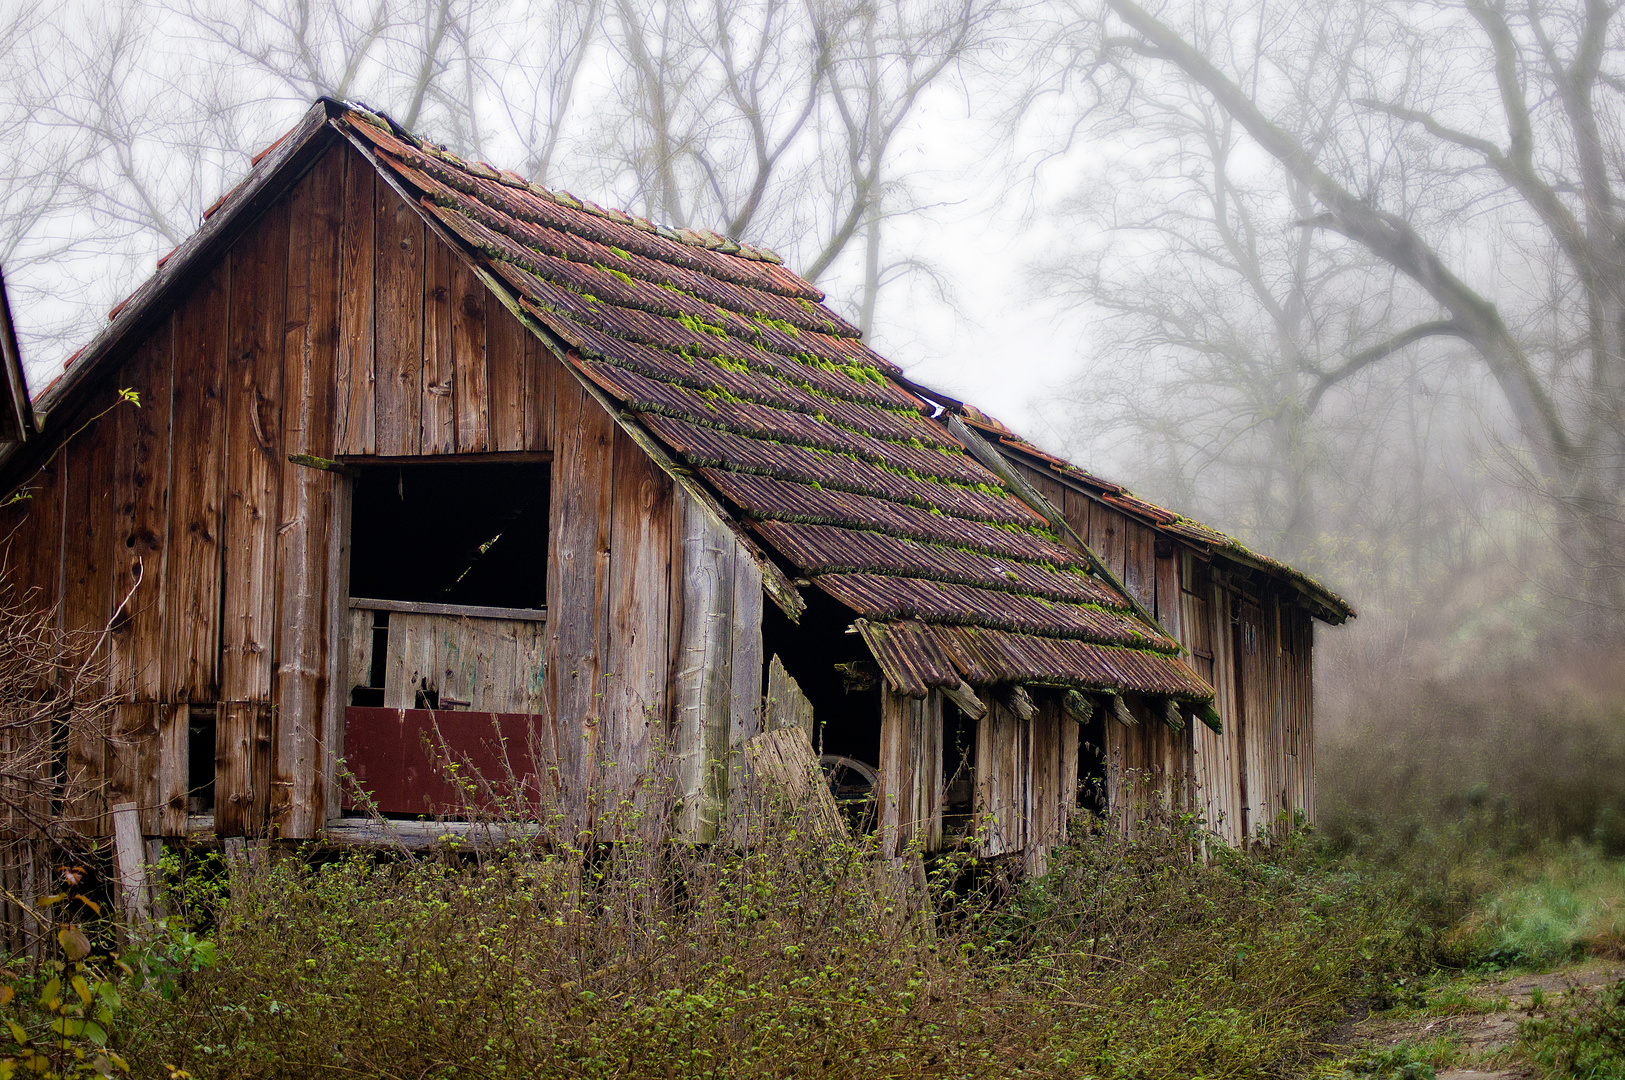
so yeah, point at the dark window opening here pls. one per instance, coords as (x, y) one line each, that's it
(455, 533)
(200, 736)
(958, 773)
(845, 699)
(1092, 761)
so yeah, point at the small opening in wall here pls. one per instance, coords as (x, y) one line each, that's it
(200, 737)
(958, 772)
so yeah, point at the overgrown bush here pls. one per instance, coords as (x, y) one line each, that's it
(803, 955)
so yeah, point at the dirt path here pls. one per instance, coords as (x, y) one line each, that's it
(1472, 1029)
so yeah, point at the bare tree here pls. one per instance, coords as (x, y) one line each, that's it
(769, 120)
(1465, 152)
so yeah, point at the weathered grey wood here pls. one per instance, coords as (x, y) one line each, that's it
(1003, 743)
(778, 784)
(358, 659)
(787, 706)
(746, 665)
(130, 866)
(470, 611)
(704, 682)
(483, 665)
(910, 790)
(965, 697)
(420, 835)
(637, 712)
(1018, 700)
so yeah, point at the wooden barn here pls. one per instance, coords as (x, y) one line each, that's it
(422, 447)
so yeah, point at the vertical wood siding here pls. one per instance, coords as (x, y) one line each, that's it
(338, 325)
(1250, 644)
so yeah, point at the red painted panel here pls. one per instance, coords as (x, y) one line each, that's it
(406, 767)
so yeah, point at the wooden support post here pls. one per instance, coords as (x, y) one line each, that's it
(130, 865)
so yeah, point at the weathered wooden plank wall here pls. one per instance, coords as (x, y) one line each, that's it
(910, 793)
(1250, 643)
(1026, 777)
(337, 324)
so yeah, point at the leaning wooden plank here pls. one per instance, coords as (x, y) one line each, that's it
(197, 494)
(786, 706)
(130, 866)
(141, 508)
(303, 606)
(254, 457)
(398, 340)
(781, 787)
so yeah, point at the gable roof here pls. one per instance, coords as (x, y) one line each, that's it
(735, 368)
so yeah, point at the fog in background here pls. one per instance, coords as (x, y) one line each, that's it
(1345, 279)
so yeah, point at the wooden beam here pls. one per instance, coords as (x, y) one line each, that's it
(486, 457)
(470, 611)
(965, 697)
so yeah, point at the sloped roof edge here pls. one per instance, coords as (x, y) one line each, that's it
(277, 169)
(16, 410)
(1203, 539)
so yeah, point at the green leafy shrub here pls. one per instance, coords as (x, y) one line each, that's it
(1584, 1039)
